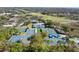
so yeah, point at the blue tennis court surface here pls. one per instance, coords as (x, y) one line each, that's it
(52, 35)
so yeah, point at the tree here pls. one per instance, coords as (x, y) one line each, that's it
(16, 47)
(5, 34)
(65, 28)
(38, 43)
(48, 23)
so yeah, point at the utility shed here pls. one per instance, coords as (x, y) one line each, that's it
(34, 21)
(38, 25)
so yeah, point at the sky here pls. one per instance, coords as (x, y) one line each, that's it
(39, 3)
